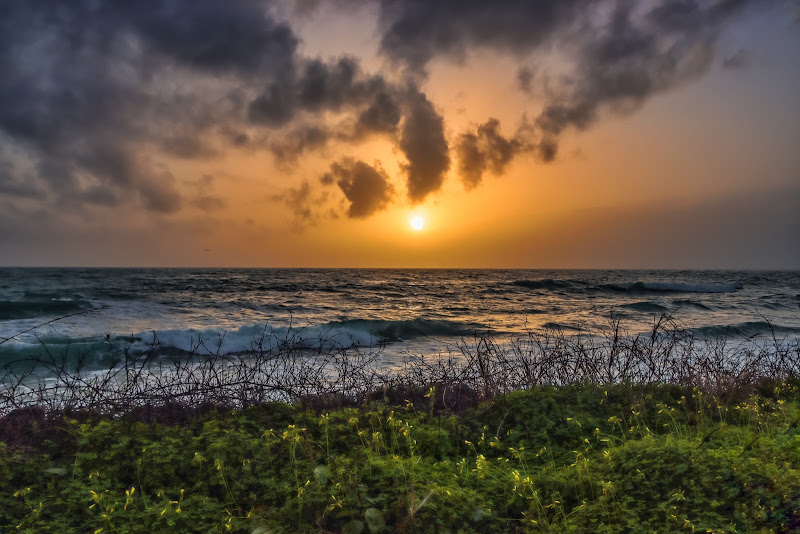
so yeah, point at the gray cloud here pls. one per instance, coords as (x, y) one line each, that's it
(88, 87)
(620, 66)
(159, 194)
(86, 84)
(366, 187)
(17, 183)
(381, 116)
(415, 31)
(738, 60)
(301, 201)
(423, 142)
(487, 150)
(203, 198)
(315, 87)
(623, 52)
(525, 77)
(484, 150)
(288, 147)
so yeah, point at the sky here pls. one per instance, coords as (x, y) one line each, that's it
(400, 133)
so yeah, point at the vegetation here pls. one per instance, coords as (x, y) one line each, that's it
(544, 433)
(576, 458)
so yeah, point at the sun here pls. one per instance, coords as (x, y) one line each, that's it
(417, 223)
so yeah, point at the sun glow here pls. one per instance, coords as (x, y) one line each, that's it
(417, 223)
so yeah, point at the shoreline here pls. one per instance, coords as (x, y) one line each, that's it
(287, 368)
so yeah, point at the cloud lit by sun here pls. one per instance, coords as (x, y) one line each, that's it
(399, 133)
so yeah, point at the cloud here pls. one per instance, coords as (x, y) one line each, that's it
(401, 113)
(302, 202)
(423, 142)
(623, 64)
(487, 150)
(315, 87)
(203, 197)
(88, 86)
(620, 53)
(484, 150)
(738, 60)
(381, 116)
(415, 31)
(97, 98)
(367, 188)
(288, 147)
(159, 193)
(236, 36)
(525, 77)
(17, 183)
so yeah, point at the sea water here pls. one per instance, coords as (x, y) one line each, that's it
(91, 313)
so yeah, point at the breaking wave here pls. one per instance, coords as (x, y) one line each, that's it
(347, 333)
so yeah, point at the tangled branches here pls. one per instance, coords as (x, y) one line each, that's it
(325, 371)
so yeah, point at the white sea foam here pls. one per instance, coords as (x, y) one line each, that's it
(255, 337)
(227, 311)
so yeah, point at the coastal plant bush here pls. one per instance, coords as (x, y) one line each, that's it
(577, 458)
(325, 374)
(538, 433)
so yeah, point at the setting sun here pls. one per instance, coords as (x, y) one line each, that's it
(417, 223)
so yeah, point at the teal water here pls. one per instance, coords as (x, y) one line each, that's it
(419, 311)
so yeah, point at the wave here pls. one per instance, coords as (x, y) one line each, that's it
(646, 307)
(404, 329)
(28, 309)
(690, 304)
(349, 333)
(630, 287)
(745, 330)
(672, 287)
(552, 325)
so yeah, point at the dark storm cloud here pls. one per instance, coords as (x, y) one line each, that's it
(316, 87)
(415, 31)
(623, 52)
(623, 64)
(484, 150)
(94, 93)
(423, 142)
(86, 86)
(288, 147)
(487, 150)
(89, 87)
(366, 187)
(216, 36)
(404, 114)
(382, 115)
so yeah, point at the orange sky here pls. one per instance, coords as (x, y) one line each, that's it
(701, 172)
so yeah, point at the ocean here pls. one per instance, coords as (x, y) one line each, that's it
(91, 313)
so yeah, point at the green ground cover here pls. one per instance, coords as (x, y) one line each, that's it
(578, 458)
